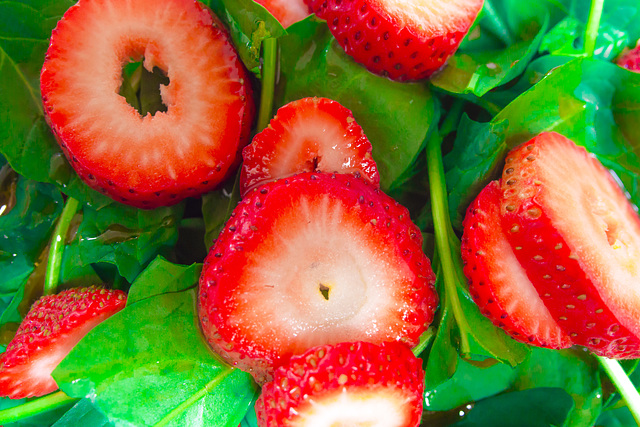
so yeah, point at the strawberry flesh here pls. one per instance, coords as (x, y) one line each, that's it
(631, 59)
(578, 237)
(404, 40)
(287, 12)
(157, 159)
(308, 135)
(347, 384)
(497, 281)
(310, 260)
(52, 327)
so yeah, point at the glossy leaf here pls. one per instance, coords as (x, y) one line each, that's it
(162, 276)
(83, 413)
(150, 347)
(217, 207)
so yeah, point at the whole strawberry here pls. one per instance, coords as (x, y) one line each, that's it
(51, 328)
(348, 384)
(404, 40)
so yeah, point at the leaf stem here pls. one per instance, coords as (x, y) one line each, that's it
(591, 34)
(56, 250)
(194, 398)
(442, 226)
(34, 407)
(269, 57)
(621, 381)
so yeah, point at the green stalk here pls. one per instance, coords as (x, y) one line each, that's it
(34, 407)
(442, 225)
(623, 384)
(269, 59)
(194, 398)
(591, 34)
(56, 250)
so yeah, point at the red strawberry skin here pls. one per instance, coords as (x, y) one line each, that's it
(261, 290)
(497, 281)
(631, 59)
(312, 385)
(397, 39)
(52, 327)
(578, 238)
(308, 135)
(158, 159)
(287, 12)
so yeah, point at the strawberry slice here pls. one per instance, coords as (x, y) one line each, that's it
(349, 384)
(52, 327)
(497, 281)
(287, 12)
(308, 135)
(311, 260)
(157, 159)
(631, 59)
(404, 40)
(578, 237)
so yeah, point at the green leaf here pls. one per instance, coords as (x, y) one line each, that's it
(124, 236)
(83, 413)
(150, 347)
(396, 117)
(217, 207)
(162, 276)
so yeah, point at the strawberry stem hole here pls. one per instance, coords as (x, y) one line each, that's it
(324, 290)
(141, 87)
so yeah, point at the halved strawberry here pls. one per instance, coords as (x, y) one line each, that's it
(349, 384)
(402, 39)
(497, 281)
(311, 260)
(157, 159)
(630, 59)
(308, 135)
(286, 12)
(578, 237)
(52, 327)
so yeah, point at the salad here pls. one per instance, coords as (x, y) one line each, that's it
(524, 68)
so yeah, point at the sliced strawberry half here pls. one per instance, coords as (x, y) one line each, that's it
(52, 327)
(497, 281)
(631, 59)
(308, 135)
(404, 40)
(311, 260)
(349, 384)
(578, 237)
(157, 159)
(287, 12)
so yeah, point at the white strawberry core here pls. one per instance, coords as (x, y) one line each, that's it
(323, 277)
(378, 408)
(433, 17)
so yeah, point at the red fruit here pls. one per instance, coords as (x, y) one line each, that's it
(404, 40)
(497, 281)
(631, 59)
(157, 159)
(286, 12)
(578, 237)
(311, 260)
(308, 135)
(349, 384)
(53, 326)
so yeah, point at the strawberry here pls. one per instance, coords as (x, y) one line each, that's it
(349, 384)
(308, 135)
(497, 281)
(286, 12)
(404, 40)
(578, 237)
(310, 260)
(52, 327)
(630, 59)
(157, 159)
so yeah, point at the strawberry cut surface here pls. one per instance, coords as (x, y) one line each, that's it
(349, 384)
(579, 240)
(308, 135)
(157, 159)
(311, 260)
(631, 59)
(51, 328)
(497, 281)
(404, 40)
(286, 12)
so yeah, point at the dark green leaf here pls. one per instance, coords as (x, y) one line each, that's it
(217, 207)
(147, 349)
(162, 276)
